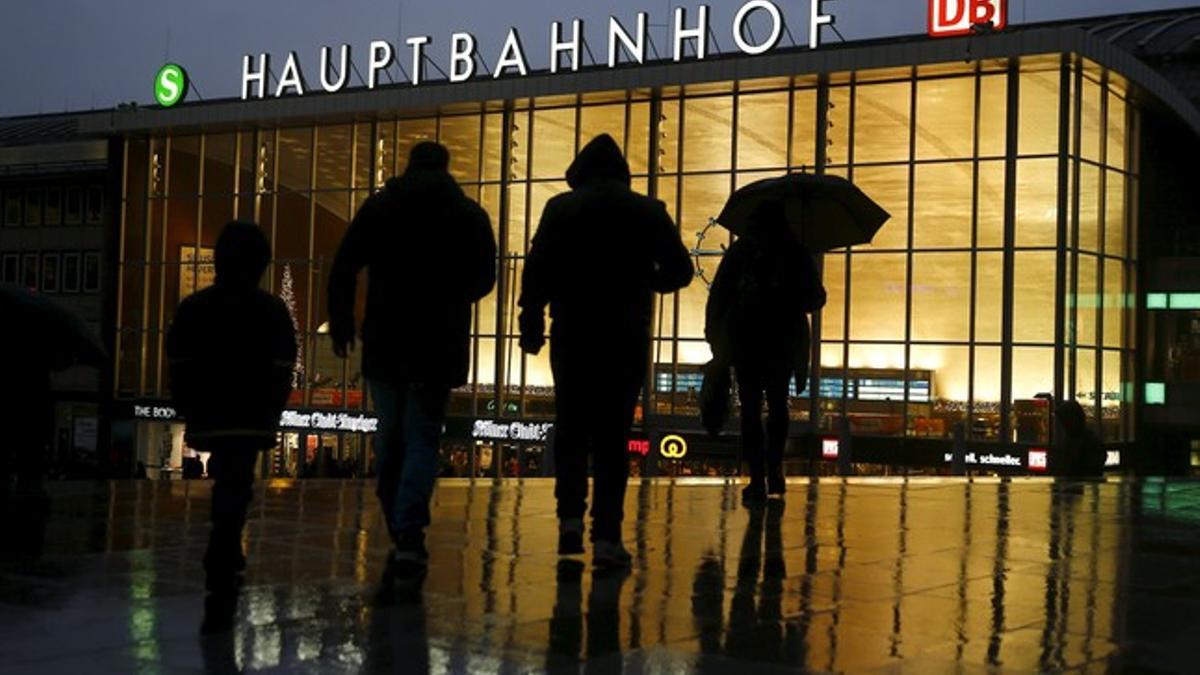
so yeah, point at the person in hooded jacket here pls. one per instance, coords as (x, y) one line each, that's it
(231, 348)
(756, 321)
(430, 254)
(601, 302)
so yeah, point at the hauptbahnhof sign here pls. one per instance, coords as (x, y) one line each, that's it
(690, 29)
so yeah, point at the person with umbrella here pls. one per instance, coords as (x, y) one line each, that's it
(39, 337)
(766, 285)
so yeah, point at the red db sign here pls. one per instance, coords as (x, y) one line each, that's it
(956, 17)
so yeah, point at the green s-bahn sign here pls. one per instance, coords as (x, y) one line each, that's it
(170, 85)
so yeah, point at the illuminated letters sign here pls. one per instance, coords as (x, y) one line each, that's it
(292, 420)
(673, 447)
(988, 459)
(490, 430)
(1039, 461)
(170, 85)
(691, 38)
(948, 18)
(830, 447)
(638, 446)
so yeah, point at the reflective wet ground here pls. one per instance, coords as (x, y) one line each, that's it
(919, 576)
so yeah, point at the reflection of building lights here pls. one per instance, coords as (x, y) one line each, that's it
(1039, 461)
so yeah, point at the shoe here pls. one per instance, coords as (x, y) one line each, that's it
(610, 555)
(754, 493)
(776, 484)
(570, 536)
(410, 548)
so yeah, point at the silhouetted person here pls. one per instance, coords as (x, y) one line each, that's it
(430, 254)
(231, 350)
(600, 336)
(1078, 453)
(757, 321)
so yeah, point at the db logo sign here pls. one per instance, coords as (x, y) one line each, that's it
(673, 447)
(956, 17)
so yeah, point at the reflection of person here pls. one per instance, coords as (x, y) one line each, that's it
(1078, 452)
(600, 337)
(430, 254)
(232, 332)
(756, 321)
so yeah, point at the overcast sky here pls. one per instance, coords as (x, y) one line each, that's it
(57, 55)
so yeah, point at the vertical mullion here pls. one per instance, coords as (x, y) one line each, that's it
(852, 88)
(819, 161)
(499, 326)
(908, 272)
(305, 330)
(123, 221)
(653, 167)
(1073, 239)
(1102, 246)
(973, 316)
(1010, 214)
(1060, 263)
(162, 276)
(675, 297)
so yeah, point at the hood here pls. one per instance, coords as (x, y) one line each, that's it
(600, 160)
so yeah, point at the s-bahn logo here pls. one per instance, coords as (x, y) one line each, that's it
(170, 85)
(948, 18)
(673, 447)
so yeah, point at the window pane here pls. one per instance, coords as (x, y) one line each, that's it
(707, 133)
(362, 156)
(833, 315)
(989, 296)
(881, 125)
(1111, 403)
(1037, 202)
(295, 156)
(219, 156)
(1033, 296)
(461, 136)
(493, 142)
(1090, 133)
(838, 133)
(703, 199)
(602, 119)
(1114, 303)
(762, 131)
(1085, 380)
(1089, 208)
(333, 157)
(1038, 126)
(950, 384)
(804, 121)
(1033, 372)
(878, 293)
(638, 145)
(941, 296)
(946, 118)
(409, 133)
(668, 136)
(986, 421)
(993, 115)
(943, 208)
(1116, 131)
(1114, 218)
(1086, 301)
(553, 142)
(991, 204)
(888, 186)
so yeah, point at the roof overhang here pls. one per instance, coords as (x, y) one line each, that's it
(916, 51)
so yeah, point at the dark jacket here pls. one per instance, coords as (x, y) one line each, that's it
(231, 350)
(430, 254)
(600, 253)
(765, 286)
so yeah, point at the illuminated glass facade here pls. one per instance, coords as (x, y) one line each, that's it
(1006, 271)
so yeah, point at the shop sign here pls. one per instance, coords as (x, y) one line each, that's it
(155, 412)
(1112, 458)
(691, 30)
(491, 430)
(170, 85)
(989, 459)
(322, 421)
(1039, 461)
(949, 18)
(830, 447)
(673, 447)
(638, 446)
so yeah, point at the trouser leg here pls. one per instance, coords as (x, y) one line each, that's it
(610, 465)
(750, 394)
(389, 447)
(571, 444)
(778, 420)
(424, 412)
(232, 472)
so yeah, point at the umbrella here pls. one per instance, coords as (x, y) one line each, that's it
(825, 212)
(39, 327)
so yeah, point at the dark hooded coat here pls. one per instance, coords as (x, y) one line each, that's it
(430, 254)
(231, 349)
(600, 253)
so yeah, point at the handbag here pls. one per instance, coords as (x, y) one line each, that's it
(715, 397)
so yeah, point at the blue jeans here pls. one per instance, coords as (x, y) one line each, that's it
(406, 450)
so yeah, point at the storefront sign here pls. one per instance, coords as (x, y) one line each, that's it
(321, 421)
(673, 447)
(170, 85)
(491, 430)
(638, 446)
(988, 459)
(948, 18)
(1039, 461)
(830, 448)
(155, 412)
(689, 30)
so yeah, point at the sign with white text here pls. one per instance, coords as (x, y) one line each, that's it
(948, 18)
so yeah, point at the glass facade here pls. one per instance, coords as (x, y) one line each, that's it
(1005, 273)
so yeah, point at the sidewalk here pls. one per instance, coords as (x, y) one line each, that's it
(868, 575)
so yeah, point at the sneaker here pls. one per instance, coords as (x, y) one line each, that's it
(754, 493)
(570, 536)
(610, 554)
(410, 548)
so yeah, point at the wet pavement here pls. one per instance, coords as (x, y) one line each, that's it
(884, 575)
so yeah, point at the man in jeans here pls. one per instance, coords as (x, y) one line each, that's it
(430, 254)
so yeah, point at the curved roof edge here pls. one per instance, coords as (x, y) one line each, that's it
(914, 50)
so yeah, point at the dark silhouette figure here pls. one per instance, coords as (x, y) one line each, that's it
(231, 349)
(430, 254)
(1079, 453)
(600, 337)
(757, 322)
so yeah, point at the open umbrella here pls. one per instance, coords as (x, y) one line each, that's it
(825, 212)
(39, 328)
